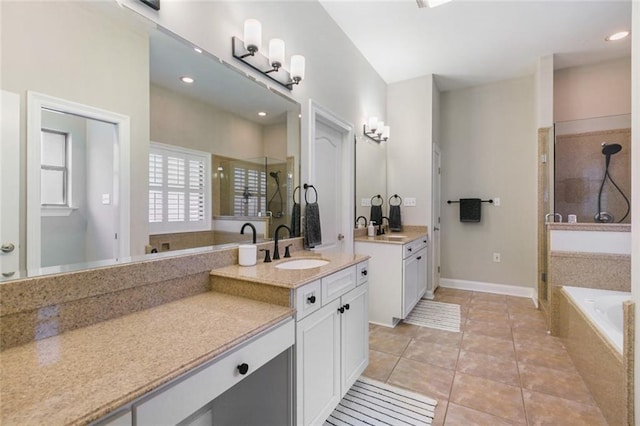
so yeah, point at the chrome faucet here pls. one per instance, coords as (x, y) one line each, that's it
(253, 228)
(276, 253)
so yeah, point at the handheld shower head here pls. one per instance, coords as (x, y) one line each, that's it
(608, 150)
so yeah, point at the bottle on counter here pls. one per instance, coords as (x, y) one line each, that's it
(371, 230)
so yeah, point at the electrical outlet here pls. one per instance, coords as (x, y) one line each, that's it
(410, 202)
(496, 202)
(496, 257)
(365, 202)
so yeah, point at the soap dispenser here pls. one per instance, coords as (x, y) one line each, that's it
(371, 230)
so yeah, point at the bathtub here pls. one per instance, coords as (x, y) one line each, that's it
(603, 308)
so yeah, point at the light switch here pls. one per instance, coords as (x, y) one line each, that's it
(496, 201)
(106, 198)
(365, 202)
(410, 202)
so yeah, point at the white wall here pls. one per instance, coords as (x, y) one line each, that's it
(409, 152)
(592, 91)
(635, 179)
(67, 50)
(337, 76)
(489, 146)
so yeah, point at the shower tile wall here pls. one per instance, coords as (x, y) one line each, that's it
(579, 169)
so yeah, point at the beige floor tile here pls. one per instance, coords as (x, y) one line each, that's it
(488, 345)
(526, 315)
(457, 300)
(489, 305)
(488, 396)
(385, 341)
(484, 315)
(499, 329)
(553, 411)
(429, 380)
(444, 356)
(524, 302)
(529, 326)
(545, 358)
(441, 337)
(477, 295)
(561, 383)
(404, 329)
(458, 415)
(539, 341)
(441, 291)
(380, 365)
(490, 367)
(441, 411)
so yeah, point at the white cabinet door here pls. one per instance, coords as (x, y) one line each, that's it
(318, 364)
(410, 284)
(423, 261)
(355, 335)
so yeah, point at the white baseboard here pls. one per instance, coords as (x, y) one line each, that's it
(509, 290)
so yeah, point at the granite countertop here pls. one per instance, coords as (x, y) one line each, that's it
(407, 235)
(267, 273)
(581, 226)
(81, 375)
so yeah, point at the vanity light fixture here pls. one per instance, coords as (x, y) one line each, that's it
(376, 130)
(271, 65)
(187, 79)
(618, 36)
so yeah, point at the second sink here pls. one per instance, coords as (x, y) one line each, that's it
(302, 264)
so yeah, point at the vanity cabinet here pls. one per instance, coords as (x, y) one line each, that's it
(332, 341)
(398, 277)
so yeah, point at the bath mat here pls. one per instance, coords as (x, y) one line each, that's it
(370, 402)
(443, 316)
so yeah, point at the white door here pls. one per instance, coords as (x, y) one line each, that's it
(10, 184)
(331, 174)
(434, 281)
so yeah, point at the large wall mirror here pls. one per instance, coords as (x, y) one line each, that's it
(215, 153)
(370, 177)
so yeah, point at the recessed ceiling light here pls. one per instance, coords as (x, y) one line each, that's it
(197, 49)
(618, 36)
(186, 79)
(262, 114)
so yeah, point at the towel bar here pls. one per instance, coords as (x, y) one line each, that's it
(483, 201)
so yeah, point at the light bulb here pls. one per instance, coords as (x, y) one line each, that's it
(297, 67)
(385, 132)
(380, 127)
(252, 35)
(373, 124)
(276, 52)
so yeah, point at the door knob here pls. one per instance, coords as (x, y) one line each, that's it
(340, 237)
(7, 248)
(436, 229)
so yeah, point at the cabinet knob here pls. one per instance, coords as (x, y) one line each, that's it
(311, 299)
(419, 257)
(364, 272)
(346, 306)
(410, 249)
(243, 368)
(341, 309)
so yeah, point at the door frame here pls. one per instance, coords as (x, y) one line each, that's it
(10, 182)
(319, 114)
(35, 103)
(436, 207)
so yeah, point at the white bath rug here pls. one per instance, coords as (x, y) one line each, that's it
(370, 402)
(443, 316)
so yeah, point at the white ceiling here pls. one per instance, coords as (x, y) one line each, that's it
(470, 42)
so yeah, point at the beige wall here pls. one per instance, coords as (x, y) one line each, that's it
(189, 123)
(589, 91)
(108, 69)
(488, 142)
(410, 111)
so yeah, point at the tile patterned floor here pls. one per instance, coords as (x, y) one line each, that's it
(501, 369)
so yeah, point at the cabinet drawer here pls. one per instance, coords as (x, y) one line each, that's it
(414, 246)
(362, 272)
(337, 284)
(188, 394)
(308, 299)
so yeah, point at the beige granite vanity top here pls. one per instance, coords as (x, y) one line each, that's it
(267, 273)
(82, 375)
(411, 234)
(611, 227)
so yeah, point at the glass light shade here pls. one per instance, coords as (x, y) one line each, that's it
(385, 132)
(297, 67)
(380, 127)
(276, 52)
(373, 123)
(252, 35)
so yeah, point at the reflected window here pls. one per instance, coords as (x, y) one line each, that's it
(179, 195)
(54, 168)
(249, 191)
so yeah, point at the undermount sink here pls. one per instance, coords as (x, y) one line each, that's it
(302, 264)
